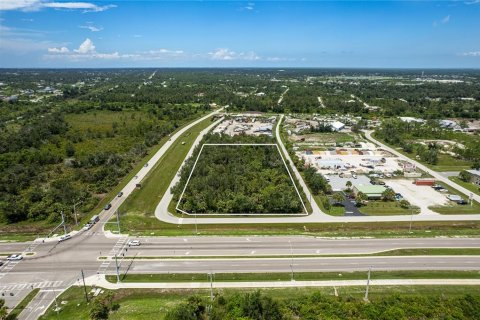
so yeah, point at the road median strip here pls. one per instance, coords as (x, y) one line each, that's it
(388, 253)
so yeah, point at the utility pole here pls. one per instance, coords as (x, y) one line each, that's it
(84, 287)
(75, 211)
(63, 223)
(210, 275)
(368, 285)
(196, 229)
(117, 268)
(411, 220)
(291, 263)
(118, 221)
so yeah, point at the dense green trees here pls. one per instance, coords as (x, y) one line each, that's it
(259, 306)
(406, 135)
(238, 179)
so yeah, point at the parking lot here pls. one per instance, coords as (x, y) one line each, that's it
(420, 196)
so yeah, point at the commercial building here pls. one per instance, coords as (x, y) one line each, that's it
(474, 176)
(372, 192)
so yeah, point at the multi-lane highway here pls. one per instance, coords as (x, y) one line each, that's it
(55, 266)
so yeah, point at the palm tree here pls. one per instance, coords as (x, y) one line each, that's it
(348, 184)
(338, 197)
(388, 195)
(360, 198)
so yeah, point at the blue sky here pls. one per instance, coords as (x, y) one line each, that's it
(403, 34)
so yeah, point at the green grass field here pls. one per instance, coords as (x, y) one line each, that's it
(299, 276)
(153, 304)
(140, 225)
(470, 186)
(449, 163)
(385, 208)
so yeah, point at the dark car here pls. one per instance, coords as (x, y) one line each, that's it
(462, 202)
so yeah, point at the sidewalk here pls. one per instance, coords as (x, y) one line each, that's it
(100, 281)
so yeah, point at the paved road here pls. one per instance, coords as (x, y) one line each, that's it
(266, 246)
(57, 265)
(336, 264)
(434, 174)
(161, 211)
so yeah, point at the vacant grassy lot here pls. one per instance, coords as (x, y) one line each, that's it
(466, 185)
(153, 304)
(385, 208)
(449, 163)
(454, 208)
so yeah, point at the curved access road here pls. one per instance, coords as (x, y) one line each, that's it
(433, 173)
(317, 216)
(144, 171)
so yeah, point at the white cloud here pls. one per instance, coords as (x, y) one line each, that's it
(86, 50)
(471, 54)
(473, 2)
(88, 7)
(18, 4)
(92, 28)
(137, 36)
(250, 6)
(87, 46)
(446, 19)
(59, 50)
(32, 5)
(226, 54)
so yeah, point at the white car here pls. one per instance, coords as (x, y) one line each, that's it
(87, 226)
(65, 237)
(15, 257)
(134, 243)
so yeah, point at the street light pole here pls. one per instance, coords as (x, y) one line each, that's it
(368, 284)
(196, 228)
(84, 287)
(118, 221)
(63, 223)
(210, 275)
(116, 267)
